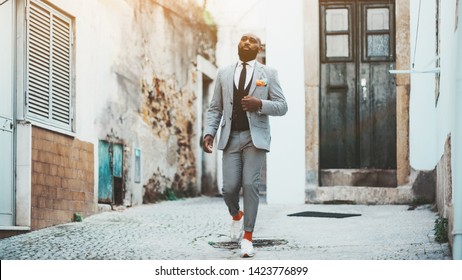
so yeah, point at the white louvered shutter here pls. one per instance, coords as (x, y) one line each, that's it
(49, 69)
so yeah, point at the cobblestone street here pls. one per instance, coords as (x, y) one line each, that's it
(187, 229)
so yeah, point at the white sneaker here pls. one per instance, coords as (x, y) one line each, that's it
(247, 250)
(237, 230)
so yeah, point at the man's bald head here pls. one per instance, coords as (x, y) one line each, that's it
(249, 46)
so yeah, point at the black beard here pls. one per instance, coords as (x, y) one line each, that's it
(247, 55)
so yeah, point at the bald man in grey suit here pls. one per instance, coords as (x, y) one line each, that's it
(246, 93)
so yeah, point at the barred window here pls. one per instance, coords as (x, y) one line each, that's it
(49, 66)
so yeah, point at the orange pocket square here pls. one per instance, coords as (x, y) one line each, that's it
(262, 83)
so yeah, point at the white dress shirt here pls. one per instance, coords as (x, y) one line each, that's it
(249, 71)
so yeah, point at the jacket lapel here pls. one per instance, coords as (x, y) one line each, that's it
(230, 81)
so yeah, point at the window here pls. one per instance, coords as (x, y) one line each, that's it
(49, 88)
(378, 40)
(336, 37)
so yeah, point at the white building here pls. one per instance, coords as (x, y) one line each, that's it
(436, 96)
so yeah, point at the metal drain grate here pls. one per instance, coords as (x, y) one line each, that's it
(257, 243)
(323, 215)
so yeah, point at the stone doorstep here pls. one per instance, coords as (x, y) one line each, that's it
(359, 195)
(109, 207)
(359, 177)
(104, 208)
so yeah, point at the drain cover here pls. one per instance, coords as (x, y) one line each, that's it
(257, 243)
(323, 215)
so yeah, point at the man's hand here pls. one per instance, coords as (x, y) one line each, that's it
(250, 103)
(207, 144)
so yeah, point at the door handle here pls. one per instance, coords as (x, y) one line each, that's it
(364, 88)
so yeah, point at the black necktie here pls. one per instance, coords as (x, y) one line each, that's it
(242, 77)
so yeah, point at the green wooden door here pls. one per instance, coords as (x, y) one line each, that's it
(110, 172)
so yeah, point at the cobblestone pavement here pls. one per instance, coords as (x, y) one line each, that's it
(187, 229)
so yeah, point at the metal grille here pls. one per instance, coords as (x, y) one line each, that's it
(257, 243)
(49, 58)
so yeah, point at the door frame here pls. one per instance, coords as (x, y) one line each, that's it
(311, 27)
(205, 69)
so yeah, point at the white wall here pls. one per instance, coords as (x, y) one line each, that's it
(286, 161)
(97, 41)
(446, 103)
(431, 124)
(422, 111)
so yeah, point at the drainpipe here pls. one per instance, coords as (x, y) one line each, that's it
(457, 166)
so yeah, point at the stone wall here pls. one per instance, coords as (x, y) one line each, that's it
(444, 186)
(402, 91)
(154, 107)
(62, 178)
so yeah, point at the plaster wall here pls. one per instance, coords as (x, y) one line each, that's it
(423, 112)
(430, 117)
(284, 184)
(136, 85)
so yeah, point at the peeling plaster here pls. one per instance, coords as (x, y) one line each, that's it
(154, 105)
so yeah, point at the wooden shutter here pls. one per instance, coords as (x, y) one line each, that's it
(49, 68)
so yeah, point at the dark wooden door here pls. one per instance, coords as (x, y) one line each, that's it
(358, 97)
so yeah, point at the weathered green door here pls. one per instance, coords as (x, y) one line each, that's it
(110, 173)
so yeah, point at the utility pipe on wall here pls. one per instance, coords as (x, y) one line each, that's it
(457, 151)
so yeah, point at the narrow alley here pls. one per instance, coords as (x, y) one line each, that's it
(197, 229)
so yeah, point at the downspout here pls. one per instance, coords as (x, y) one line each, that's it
(457, 165)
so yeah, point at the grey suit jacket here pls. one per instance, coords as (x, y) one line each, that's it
(221, 106)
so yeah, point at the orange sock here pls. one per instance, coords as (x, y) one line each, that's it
(248, 235)
(238, 216)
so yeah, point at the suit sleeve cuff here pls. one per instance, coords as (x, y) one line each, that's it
(264, 107)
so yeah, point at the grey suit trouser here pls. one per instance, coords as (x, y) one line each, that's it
(242, 164)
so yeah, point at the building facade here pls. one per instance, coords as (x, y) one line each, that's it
(103, 106)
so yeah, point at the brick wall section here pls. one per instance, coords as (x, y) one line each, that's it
(62, 178)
